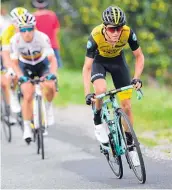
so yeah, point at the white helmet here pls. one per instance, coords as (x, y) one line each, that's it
(18, 12)
(27, 20)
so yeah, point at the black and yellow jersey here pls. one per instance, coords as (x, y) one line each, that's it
(6, 36)
(98, 45)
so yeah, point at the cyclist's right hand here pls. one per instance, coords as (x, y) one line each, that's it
(137, 83)
(88, 98)
(23, 79)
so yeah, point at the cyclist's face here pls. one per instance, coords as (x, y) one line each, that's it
(113, 32)
(27, 33)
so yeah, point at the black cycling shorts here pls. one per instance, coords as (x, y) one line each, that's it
(116, 66)
(31, 71)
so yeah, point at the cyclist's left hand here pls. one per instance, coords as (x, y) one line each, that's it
(51, 76)
(137, 83)
(89, 98)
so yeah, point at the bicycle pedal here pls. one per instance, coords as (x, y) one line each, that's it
(103, 150)
(130, 147)
(28, 140)
(11, 124)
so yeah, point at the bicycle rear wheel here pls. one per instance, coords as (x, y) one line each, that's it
(139, 170)
(5, 118)
(40, 137)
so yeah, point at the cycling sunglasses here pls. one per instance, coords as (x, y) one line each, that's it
(26, 29)
(113, 29)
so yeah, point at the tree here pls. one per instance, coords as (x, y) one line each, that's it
(151, 20)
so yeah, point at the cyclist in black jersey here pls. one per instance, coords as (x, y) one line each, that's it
(105, 54)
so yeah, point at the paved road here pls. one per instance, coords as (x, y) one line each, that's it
(72, 160)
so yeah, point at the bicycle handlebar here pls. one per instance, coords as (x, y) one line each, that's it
(115, 91)
(38, 80)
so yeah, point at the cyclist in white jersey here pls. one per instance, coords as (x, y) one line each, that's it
(31, 51)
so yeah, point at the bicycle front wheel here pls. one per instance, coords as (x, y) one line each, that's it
(139, 169)
(40, 137)
(19, 115)
(5, 118)
(114, 161)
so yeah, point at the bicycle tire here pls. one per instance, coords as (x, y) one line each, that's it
(136, 145)
(40, 129)
(19, 115)
(117, 159)
(5, 118)
(38, 142)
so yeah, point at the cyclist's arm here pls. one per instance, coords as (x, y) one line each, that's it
(50, 55)
(53, 64)
(16, 68)
(6, 58)
(139, 64)
(89, 58)
(6, 36)
(14, 55)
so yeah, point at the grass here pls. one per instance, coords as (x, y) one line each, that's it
(71, 89)
(148, 142)
(165, 134)
(152, 113)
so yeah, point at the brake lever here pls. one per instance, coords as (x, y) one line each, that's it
(139, 94)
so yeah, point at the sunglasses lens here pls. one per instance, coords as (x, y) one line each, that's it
(113, 29)
(26, 29)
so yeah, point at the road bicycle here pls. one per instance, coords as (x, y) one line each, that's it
(117, 121)
(6, 113)
(39, 114)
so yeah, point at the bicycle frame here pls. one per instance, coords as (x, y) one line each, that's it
(38, 93)
(112, 119)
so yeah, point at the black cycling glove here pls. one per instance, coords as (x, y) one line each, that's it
(134, 81)
(88, 98)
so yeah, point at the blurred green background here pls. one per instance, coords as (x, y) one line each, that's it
(152, 22)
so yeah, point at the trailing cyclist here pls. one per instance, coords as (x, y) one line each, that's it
(105, 54)
(31, 56)
(10, 77)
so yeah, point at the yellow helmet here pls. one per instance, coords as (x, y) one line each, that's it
(18, 14)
